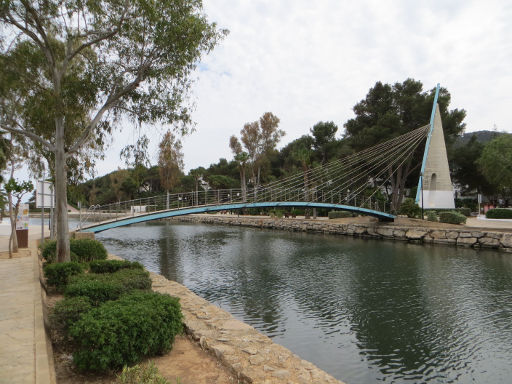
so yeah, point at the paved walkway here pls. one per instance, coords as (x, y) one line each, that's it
(23, 348)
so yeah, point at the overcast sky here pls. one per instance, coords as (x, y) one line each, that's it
(308, 61)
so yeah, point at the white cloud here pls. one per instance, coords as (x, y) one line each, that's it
(308, 61)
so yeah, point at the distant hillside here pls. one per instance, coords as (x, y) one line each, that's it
(481, 136)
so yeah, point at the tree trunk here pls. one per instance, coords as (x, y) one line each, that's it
(13, 239)
(61, 199)
(243, 184)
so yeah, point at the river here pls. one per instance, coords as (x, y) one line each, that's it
(365, 311)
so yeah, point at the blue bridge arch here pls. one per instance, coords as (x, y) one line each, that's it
(121, 222)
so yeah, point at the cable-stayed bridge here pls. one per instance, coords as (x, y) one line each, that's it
(357, 183)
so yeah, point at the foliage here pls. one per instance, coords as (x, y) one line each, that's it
(410, 208)
(68, 311)
(323, 139)
(452, 217)
(58, 274)
(122, 332)
(388, 111)
(495, 162)
(499, 213)
(71, 70)
(340, 214)
(82, 250)
(141, 374)
(431, 215)
(170, 160)
(100, 287)
(97, 290)
(88, 250)
(111, 266)
(464, 211)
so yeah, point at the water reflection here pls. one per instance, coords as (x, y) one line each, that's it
(363, 310)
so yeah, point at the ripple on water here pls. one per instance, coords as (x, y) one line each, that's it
(364, 311)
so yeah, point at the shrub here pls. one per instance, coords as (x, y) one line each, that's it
(82, 250)
(108, 286)
(452, 217)
(122, 332)
(97, 290)
(87, 250)
(431, 216)
(49, 250)
(141, 374)
(499, 213)
(464, 211)
(58, 274)
(110, 266)
(66, 312)
(410, 208)
(339, 214)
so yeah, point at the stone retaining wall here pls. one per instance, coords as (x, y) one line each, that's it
(464, 236)
(253, 357)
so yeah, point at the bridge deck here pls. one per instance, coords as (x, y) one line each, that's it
(120, 222)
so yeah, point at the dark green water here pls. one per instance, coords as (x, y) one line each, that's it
(363, 310)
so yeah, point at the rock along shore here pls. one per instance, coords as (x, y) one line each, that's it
(463, 236)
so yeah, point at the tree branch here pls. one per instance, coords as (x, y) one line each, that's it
(31, 135)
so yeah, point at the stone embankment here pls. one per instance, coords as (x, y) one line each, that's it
(253, 357)
(454, 235)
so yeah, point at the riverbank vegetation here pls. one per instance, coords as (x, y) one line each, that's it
(109, 316)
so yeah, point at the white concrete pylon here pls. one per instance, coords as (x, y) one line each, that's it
(437, 184)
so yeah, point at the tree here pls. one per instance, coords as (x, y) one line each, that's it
(495, 163)
(465, 168)
(15, 192)
(241, 158)
(170, 161)
(136, 156)
(83, 65)
(389, 111)
(259, 138)
(323, 138)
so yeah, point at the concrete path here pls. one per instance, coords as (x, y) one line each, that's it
(23, 344)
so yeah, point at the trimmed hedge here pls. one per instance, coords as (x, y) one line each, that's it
(88, 250)
(108, 286)
(122, 332)
(499, 213)
(110, 266)
(452, 217)
(339, 214)
(464, 211)
(82, 250)
(58, 274)
(68, 311)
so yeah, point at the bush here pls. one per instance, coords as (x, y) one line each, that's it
(58, 274)
(141, 374)
(122, 332)
(97, 290)
(431, 216)
(499, 213)
(464, 211)
(68, 311)
(108, 286)
(410, 208)
(87, 250)
(110, 266)
(49, 250)
(339, 214)
(82, 250)
(452, 217)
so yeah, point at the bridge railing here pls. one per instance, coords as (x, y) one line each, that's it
(141, 206)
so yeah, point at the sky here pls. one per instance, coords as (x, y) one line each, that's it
(309, 61)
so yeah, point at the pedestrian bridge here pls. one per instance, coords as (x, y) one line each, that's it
(158, 215)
